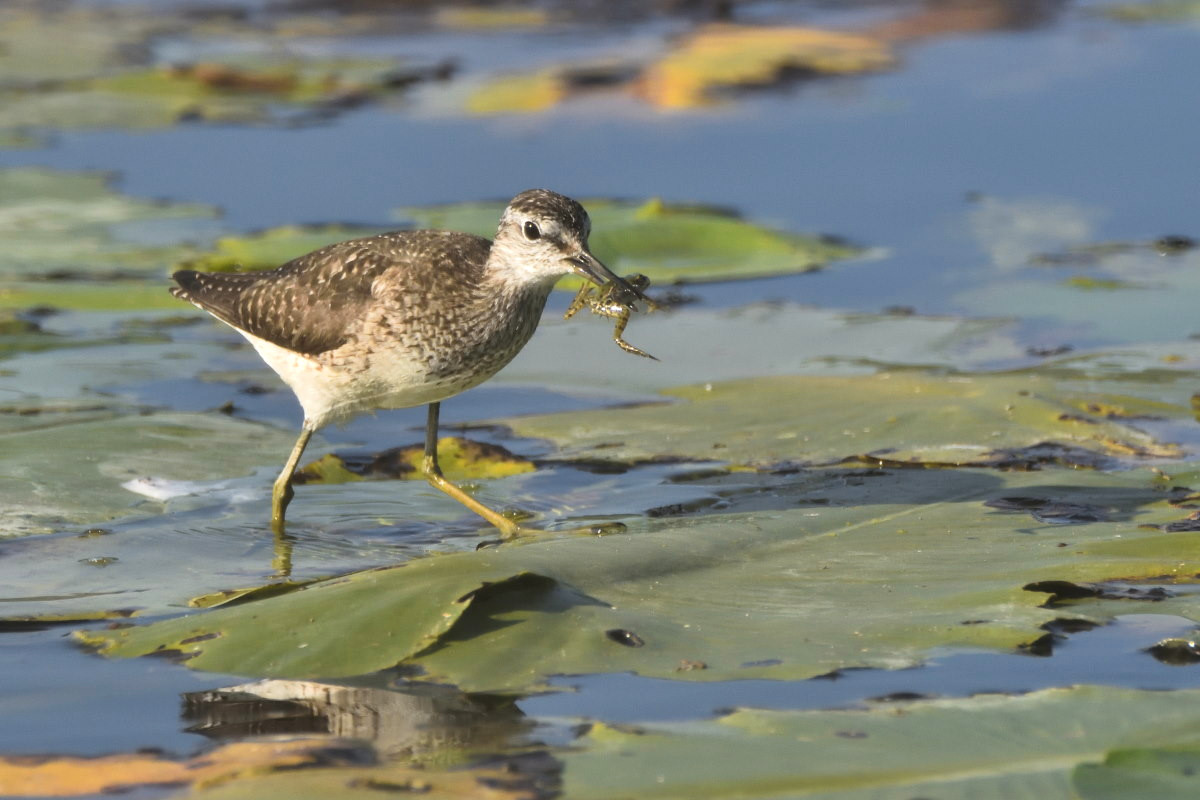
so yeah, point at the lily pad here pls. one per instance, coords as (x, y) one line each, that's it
(720, 57)
(699, 70)
(518, 94)
(760, 590)
(1154, 11)
(1165, 773)
(1039, 745)
(1004, 419)
(88, 67)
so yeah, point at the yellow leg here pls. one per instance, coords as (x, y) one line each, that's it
(433, 474)
(282, 493)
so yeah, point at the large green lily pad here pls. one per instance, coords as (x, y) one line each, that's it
(761, 590)
(891, 416)
(1037, 746)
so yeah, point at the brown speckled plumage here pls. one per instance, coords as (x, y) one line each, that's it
(403, 318)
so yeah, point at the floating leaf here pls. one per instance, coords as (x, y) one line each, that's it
(521, 94)
(970, 748)
(758, 591)
(86, 68)
(890, 417)
(1154, 11)
(1171, 772)
(724, 56)
(713, 59)
(503, 17)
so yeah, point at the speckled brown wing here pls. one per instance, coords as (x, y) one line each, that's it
(310, 305)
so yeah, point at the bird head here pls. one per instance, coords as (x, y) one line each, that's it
(543, 236)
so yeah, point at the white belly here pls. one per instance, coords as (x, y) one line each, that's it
(331, 390)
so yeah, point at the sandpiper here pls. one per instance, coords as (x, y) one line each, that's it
(404, 318)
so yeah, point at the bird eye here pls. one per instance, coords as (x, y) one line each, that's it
(532, 231)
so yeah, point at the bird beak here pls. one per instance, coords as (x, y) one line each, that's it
(590, 268)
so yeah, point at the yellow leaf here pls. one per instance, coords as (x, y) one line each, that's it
(738, 55)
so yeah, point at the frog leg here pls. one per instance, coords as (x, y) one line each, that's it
(620, 313)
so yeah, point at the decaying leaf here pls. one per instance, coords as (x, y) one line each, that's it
(459, 458)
